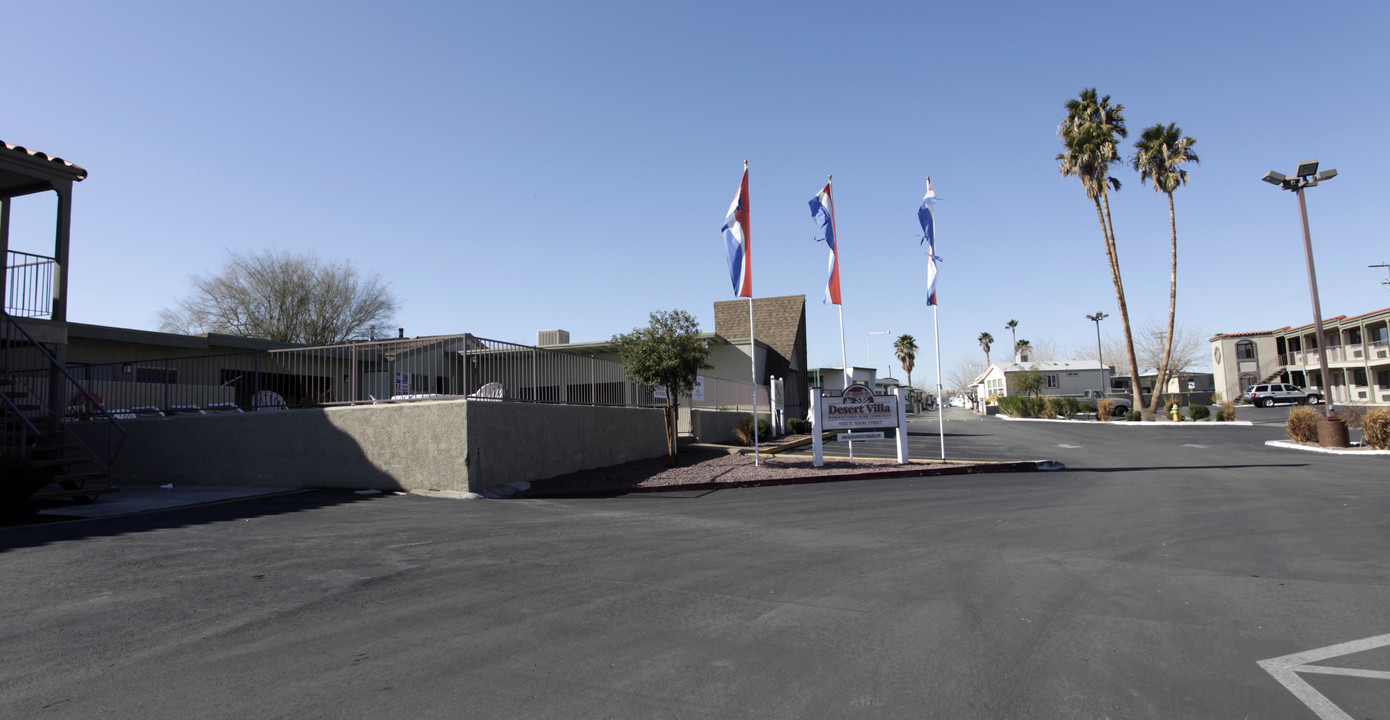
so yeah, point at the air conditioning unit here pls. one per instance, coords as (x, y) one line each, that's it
(552, 337)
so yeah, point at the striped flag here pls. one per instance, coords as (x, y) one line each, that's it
(736, 241)
(823, 211)
(926, 215)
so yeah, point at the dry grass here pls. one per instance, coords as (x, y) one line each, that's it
(1105, 407)
(1302, 425)
(1375, 426)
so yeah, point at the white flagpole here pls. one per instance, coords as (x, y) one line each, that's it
(936, 331)
(753, 356)
(940, 408)
(844, 362)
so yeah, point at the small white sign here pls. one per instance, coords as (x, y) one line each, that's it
(843, 437)
(697, 392)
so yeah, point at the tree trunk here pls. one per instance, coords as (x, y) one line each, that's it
(1108, 229)
(1172, 305)
(669, 413)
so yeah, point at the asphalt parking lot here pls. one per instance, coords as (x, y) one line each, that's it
(1149, 579)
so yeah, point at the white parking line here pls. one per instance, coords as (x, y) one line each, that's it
(1286, 669)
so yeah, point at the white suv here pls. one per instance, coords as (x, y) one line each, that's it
(1267, 395)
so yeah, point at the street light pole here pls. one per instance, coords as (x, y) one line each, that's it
(1307, 176)
(1105, 388)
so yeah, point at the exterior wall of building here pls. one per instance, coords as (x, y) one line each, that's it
(780, 323)
(1357, 350)
(1239, 361)
(1060, 378)
(448, 445)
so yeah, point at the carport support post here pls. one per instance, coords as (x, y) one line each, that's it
(817, 442)
(902, 425)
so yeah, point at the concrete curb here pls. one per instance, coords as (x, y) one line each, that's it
(1126, 423)
(963, 469)
(1329, 451)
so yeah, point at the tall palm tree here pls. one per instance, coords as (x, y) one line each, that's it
(1021, 346)
(985, 341)
(1012, 325)
(1090, 135)
(906, 348)
(1159, 156)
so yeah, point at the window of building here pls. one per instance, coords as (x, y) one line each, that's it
(1051, 380)
(1358, 377)
(1383, 378)
(159, 376)
(1245, 350)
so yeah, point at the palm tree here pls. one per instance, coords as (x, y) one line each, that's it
(1090, 135)
(1021, 346)
(906, 348)
(1159, 156)
(985, 341)
(1012, 325)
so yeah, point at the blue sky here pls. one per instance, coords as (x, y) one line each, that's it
(533, 165)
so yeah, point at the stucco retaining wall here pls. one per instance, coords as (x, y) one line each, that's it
(717, 426)
(449, 445)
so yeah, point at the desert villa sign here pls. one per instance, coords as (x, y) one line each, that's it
(857, 410)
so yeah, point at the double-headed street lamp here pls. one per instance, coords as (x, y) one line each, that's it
(1099, 355)
(1308, 176)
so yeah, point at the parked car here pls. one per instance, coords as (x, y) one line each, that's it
(1267, 394)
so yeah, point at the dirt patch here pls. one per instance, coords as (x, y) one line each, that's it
(703, 467)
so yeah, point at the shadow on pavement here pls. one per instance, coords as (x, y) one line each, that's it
(65, 530)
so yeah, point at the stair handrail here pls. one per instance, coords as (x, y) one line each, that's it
(111, 423)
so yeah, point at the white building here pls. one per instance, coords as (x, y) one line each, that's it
(1060, 378)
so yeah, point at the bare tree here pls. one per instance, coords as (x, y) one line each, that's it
(961, 374)
(286, 297)
(1188, 350)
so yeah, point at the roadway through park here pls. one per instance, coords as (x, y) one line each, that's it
(1185, 572)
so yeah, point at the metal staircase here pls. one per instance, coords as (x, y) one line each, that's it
(51, 422)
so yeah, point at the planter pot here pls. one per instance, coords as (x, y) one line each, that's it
(1332, 432)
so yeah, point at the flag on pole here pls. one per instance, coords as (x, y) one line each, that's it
(823, 211)
(736, 241)
(926, 215)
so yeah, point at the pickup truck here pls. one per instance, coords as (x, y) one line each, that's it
(1122, 404)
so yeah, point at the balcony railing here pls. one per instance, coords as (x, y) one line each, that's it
(29, 285)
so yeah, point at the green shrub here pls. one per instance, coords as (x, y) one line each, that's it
(1070, 407)
(1201, 412)
(1220, 415)
(1228, 413)
(744, 432)
(798, 426)
(1105, 407)
(1050, 408)
(1375, 426)
(1134, 416)
(1020, 406)
(1302, 425)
